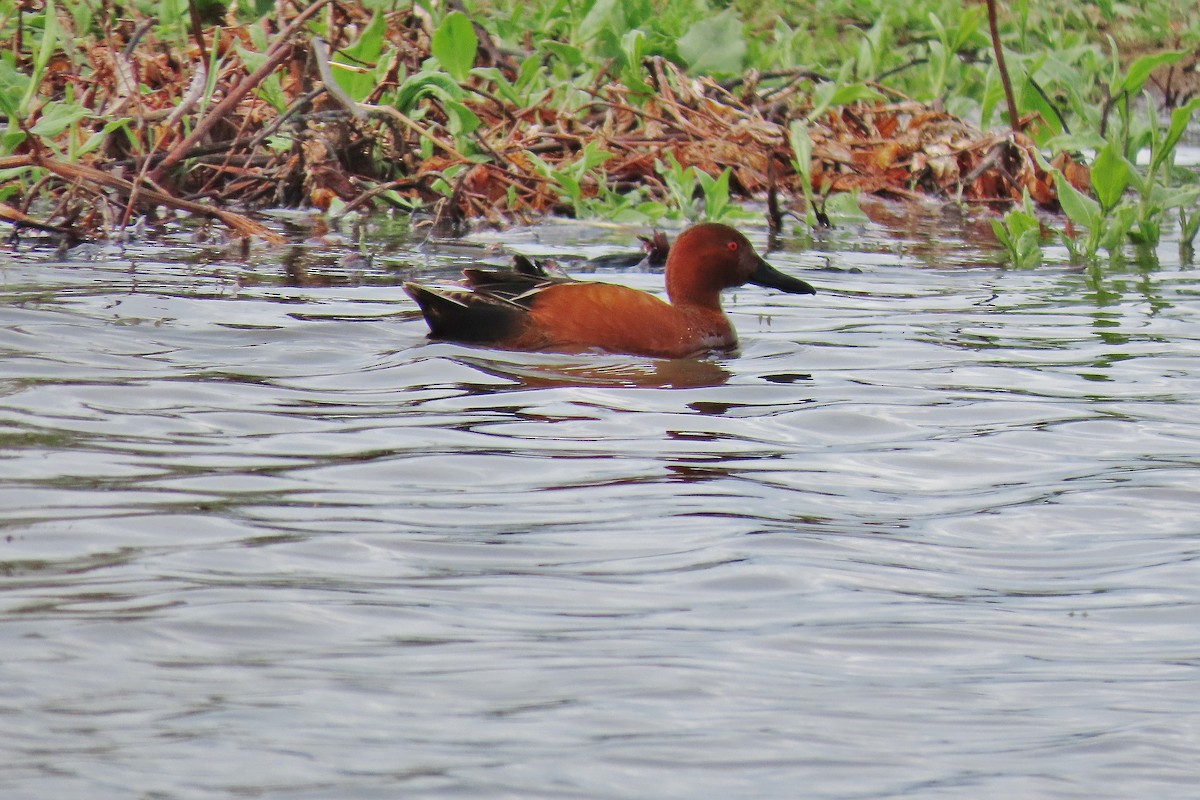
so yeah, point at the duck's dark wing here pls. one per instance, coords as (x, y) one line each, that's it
(462, 315)
(538, 269)
(492, 306)
(519, 285)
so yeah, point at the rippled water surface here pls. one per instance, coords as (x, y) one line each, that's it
(933, 532)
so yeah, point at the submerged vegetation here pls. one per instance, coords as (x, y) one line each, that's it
(634, 110)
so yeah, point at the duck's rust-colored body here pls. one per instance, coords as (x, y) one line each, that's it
(529, 309)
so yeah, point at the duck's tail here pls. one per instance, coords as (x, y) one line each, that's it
(464, 316)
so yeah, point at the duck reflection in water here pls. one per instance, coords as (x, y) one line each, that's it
(674, 373)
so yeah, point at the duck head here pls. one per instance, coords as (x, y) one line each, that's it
(708, 258)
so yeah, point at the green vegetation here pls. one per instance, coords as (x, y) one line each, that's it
(1020, 234)
(496, 107)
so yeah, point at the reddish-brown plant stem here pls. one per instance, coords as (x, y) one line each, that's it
(1014, 119)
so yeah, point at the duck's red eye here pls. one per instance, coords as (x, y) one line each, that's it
(732, 246)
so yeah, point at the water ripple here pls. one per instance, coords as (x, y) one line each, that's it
(930, 533)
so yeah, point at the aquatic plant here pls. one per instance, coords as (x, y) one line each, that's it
(1019, 232)
(630, 109)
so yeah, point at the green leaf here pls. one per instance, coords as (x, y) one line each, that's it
(844, 210)
(1001, 234)
(271, 90)
(57, 117)
(13, 84)
(97, 138)
(10, 139)
(1140, 69)
(251, 59)
(45, 52)
(938, 27)
(462, 119)
(454, 45)
(500, 84)
(248, 10)
(1147, 232)
(853, 92)
(604, 15)
(422, 84)
(366, 52)
(49, 38)
(1183, 197)
(802, 146)
(529, 71)
(633, 48)
(1180, 118)
(1029, 250)
(1073, 142)
(592, 156)
(1030, 99)
(865, 58)
(968, 27)
(715, 45)
(369, 46)
(1079, 208)
(716, 193)
(569, 55)
(1120, 224)
(568, 184)
(258, 38)
(1110, 176)
(1114, 61)
(822, 97)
